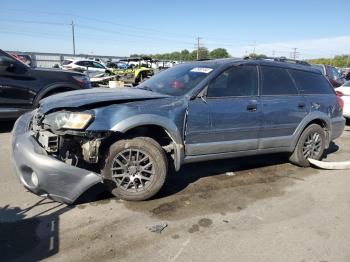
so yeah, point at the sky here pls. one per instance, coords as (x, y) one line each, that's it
(317, 28)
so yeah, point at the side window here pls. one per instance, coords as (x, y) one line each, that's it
(9, 65)
(277, 81)
(336, 74)
(89, 64)
(311, 83)
(97, 65)
(80, 63)
(5, 63)
(236, 81)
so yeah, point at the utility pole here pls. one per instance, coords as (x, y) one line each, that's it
(273, 53)
(72, 24)
(294, 54)
(198, 47)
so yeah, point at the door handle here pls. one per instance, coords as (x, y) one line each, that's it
(301, 105)
(315, 105)
(252, 108)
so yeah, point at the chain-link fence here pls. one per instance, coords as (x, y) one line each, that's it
(50, 60)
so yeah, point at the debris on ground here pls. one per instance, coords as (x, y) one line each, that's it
(330, 165)
(158, 228)
(230, 173)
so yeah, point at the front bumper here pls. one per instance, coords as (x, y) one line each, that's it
(55, 179)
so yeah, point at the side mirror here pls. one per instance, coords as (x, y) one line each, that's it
(6, 65)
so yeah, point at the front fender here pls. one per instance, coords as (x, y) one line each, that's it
(150, 119)
(52, 87)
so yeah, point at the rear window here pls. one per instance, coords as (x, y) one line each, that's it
(277, 81)
(66, 62)
(318, 67)
(311, 83)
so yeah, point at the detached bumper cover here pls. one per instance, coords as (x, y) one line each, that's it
(56, 179)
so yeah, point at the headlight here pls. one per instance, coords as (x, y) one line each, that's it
(67, 120)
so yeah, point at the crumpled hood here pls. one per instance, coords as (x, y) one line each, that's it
(80, 98)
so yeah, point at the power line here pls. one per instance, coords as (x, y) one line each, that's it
(90, 18)
(32, 22)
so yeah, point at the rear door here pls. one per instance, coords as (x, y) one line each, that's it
(318, 92)
(229, 119)
(283, 108)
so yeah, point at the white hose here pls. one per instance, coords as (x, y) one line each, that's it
(330, 165)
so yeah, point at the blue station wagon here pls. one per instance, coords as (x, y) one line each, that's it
(199, 111)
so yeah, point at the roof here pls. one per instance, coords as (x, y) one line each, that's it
(281, 62)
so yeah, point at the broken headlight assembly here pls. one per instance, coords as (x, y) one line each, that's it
(67, 120)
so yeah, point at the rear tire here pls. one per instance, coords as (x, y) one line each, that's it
(311, 144)
(135, 169)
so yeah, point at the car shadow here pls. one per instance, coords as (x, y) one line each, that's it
(331, 149)
(190, 173)
(6, 126)
(30, 239)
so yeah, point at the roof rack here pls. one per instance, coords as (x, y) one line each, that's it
(279, 59)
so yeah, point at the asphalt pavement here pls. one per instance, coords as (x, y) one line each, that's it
(247, 209)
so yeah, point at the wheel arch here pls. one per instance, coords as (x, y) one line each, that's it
(318, 118)
(158, 123)
(49, 89)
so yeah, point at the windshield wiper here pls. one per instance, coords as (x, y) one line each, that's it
(144, 88)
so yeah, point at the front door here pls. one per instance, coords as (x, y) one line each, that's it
(14, 83)
(229, 118)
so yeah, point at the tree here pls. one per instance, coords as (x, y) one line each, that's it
(203, 53)
(185, 55)
(219, 53)
(257, 56)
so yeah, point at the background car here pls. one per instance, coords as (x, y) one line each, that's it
(332, 74)
(83, 66)
(344, 92)
(22, 87)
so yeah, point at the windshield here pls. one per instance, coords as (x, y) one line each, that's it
(178, 80)
(347, 84)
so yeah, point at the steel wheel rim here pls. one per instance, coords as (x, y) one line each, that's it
(133, 170)
(312, 145)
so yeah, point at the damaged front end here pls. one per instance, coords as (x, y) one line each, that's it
(62, 135)
(54, 157)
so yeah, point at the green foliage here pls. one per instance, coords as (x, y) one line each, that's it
(219, 53)
(186, 55)
(338, 61)
(254, 55)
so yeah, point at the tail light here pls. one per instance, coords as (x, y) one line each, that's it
(340, 101)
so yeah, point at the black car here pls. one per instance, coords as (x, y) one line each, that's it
(22, 87)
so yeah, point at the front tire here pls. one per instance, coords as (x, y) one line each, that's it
(311, 144)
(135, 169)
